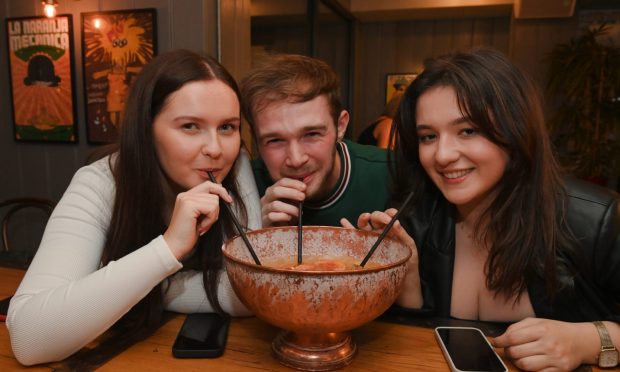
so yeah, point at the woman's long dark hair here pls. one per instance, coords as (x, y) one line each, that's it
(525, 223)
(137, 216)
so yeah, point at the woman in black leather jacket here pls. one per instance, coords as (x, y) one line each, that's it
(500, 235)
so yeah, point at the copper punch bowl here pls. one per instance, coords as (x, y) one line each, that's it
(316, 308)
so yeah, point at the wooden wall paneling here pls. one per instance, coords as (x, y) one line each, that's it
(482, 32)
(235, 35)
(235, 25)
(402, 41)
(210, 37)
(12, 182)
(32, 170)
(61, 163)
(387, 55)
(423, 39)
(332, 47)
(492, 32)
(531, 40)
(405, 43)
(366, 84)
(525, 46)
(501, 34)
(373, 37)
(403, 47)
(10, 170)
(371, 82)
(388, 48)
(358, 76)
(463, 31)
(442, 37)
(11, 161)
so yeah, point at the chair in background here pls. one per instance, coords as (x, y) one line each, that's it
(23, 221)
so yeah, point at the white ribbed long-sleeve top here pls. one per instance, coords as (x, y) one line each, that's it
(67, 299)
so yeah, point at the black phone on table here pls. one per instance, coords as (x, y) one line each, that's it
(203, 335)
(467, 349)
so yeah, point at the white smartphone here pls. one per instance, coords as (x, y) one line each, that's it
(467, 349)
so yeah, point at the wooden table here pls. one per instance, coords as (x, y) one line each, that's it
(382, 346)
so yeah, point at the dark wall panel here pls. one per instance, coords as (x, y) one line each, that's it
(398, 47)
(532, 39)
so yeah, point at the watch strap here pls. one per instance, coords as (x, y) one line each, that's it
(606, 343)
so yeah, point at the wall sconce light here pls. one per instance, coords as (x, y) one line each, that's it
(49, 8)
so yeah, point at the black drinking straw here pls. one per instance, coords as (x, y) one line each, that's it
(299, 233)
(237, 224)
(386, 230)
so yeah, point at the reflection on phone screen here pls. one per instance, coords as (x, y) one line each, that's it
(469, 350)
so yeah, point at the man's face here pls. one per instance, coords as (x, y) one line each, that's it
(298, 140)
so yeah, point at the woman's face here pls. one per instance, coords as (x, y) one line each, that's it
(464, 164)
(197, 131)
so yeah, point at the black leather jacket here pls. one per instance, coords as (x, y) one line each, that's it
(594, 218)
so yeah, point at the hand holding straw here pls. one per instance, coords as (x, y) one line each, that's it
(299, 234)
(237, 224)
(386, 229)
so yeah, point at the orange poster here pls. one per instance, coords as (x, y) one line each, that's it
(115, 46)
(41, 66)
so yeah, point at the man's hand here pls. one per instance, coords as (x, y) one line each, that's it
(276, 207)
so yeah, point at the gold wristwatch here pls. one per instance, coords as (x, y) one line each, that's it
(608, 356)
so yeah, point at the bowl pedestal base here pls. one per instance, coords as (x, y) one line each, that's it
(314, 352)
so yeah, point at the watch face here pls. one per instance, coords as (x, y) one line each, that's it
(608, 358)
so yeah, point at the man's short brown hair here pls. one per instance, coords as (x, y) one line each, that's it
(289, 78)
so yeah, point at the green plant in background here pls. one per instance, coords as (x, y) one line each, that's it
(584, 91)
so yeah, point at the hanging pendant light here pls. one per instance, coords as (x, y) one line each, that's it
(49, 8)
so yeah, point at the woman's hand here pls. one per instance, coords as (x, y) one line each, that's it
(376, 221)
(195, 211)
(411, 293)
(536, 344)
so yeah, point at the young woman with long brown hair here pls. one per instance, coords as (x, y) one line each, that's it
(115, 246)
(498, 234)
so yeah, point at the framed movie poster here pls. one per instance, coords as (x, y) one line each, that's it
(115, 47)
(396, 84)
(40, 53)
